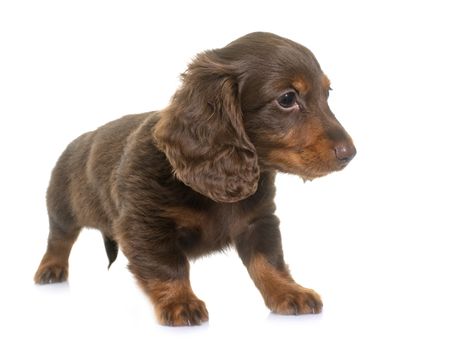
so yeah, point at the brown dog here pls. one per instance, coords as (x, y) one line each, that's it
(173, 185)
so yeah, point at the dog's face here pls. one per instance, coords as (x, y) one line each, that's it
(259, 103)
(284, 97)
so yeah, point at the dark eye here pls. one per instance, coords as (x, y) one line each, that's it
(287, 100)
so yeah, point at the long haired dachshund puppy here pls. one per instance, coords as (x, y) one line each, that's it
(198, 176)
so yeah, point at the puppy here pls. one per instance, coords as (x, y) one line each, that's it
(197, 177)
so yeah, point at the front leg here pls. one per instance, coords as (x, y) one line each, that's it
(261, 251)
(162, 271)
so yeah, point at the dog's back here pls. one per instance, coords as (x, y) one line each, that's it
(82, 181)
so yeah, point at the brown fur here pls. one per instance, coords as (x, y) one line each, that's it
(175, 303)
(281, 294)
(300, 85)
(199, 176)
(326, 82)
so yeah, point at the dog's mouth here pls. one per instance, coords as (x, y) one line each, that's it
(312, 175)
(316, 170)
(309, 176)
(305, 164)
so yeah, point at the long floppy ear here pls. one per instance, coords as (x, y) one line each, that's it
(202, 133)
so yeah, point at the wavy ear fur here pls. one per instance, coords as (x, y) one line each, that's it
(202, 133)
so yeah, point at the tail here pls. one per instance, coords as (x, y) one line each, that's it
(111, 247)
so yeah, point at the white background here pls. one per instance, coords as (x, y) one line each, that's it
(377, 241)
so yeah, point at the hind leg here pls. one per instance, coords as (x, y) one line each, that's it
(54, 265)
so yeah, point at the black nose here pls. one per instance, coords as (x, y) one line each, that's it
(345, 151)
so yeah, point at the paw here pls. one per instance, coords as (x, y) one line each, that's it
(51, 273)
(295, 300)
(182, 313)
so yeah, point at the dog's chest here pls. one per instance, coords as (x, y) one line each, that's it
(200, 232)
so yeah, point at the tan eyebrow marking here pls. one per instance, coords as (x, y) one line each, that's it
(300, 85)
(326, 82)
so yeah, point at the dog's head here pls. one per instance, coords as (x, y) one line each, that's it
(260, 103)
